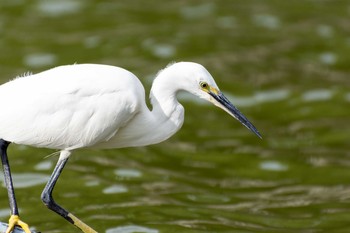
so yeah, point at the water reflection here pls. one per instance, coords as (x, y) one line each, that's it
(285, 64)
(59, 8)
(267, 21)
(273, 166)
(37, 60)
(160, 50)
(115, 189)
(198, 11)
(317, 95)
(44, 165)
(131, 229)
(127, 173)
(26, 180)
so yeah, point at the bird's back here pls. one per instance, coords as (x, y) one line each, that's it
(69, 107)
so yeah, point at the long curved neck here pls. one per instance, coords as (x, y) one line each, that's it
(167, 113)
(163, 98)
(151, 126)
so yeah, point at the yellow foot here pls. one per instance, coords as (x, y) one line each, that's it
(81, 225)
(15, 221)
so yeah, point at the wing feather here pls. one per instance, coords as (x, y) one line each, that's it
(69, 107)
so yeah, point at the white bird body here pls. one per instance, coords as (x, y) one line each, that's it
(88, 105)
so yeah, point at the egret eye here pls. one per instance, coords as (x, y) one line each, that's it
(204, 85)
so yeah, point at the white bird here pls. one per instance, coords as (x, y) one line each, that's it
(96, 106)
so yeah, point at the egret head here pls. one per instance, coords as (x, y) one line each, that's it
(200, 83)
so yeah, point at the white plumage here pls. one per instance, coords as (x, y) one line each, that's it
(69, 107)
(89, 105)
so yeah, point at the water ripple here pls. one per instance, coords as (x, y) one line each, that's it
(317, 95)
(25, 180)
(131, 229)
(115, 189)
(273, 166)
(59, 8)
(127, 173)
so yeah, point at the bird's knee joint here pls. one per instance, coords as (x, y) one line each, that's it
(47, 199)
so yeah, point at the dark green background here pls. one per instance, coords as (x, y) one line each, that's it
(285, 64)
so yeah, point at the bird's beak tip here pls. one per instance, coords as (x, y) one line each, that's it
(259, 135)
(221, 101)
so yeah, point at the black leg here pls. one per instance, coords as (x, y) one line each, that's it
(46, 195)
(14, 219)
(48, 200)
(7, 177)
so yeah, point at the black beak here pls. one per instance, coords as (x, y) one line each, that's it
(225, 104)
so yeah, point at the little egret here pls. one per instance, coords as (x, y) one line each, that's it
(96, 106)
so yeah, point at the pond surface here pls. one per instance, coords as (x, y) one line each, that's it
(285, 64)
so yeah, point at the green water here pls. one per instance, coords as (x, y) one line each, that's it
(285, 64)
